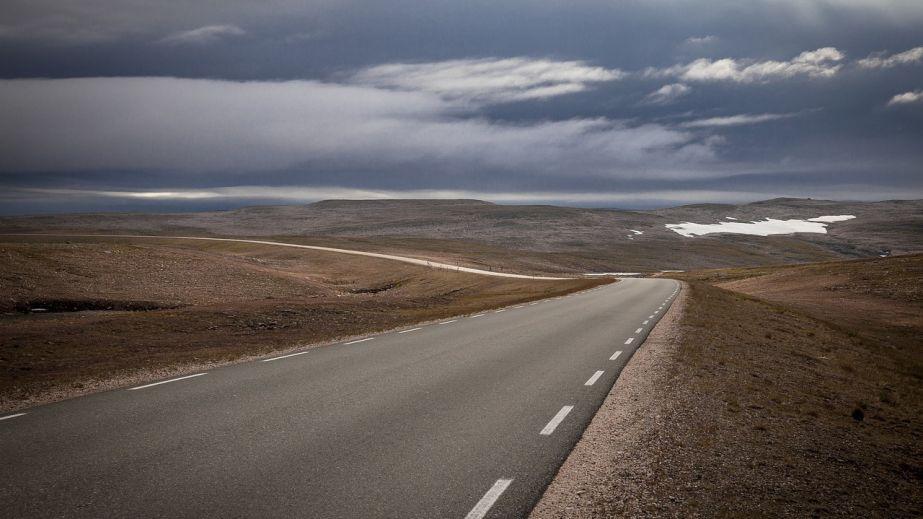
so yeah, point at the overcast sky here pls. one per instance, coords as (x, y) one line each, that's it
(169, 105)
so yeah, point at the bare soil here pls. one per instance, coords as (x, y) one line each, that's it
(77, 315)
(785, 391)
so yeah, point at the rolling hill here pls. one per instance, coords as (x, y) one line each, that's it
(538, 238)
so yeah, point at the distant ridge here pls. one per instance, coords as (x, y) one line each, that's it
(416, 202)
(535, 238)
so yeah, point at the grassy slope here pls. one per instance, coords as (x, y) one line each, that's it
(801, 397)
(810, 388)
(212, 302)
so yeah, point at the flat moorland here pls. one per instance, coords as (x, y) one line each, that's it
(79, 314)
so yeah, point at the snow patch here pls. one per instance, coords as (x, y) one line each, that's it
(636, 232)
(831, 219)
(730, 218)
(613, 274)
(760, 227)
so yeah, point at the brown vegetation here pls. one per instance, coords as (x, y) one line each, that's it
(785, 391)
(534, 238)
(75, 313)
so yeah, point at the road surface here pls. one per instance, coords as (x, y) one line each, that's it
(467, 417)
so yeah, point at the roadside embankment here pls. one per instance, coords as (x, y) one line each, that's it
(770, 404)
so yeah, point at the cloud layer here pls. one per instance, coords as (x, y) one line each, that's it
(820, 63)
(198, 126)
(171, 99)
(735, 120)
(908, 57)
(915, 96)
(667, 94)
(203, 35)
(489, 80)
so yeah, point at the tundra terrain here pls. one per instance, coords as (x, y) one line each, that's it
(79, 314)
(772, 391)
(536, 239)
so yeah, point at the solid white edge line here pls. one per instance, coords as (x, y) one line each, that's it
(487, 502)
(478, 315)
(630, 340)
(285, 356)
(7, 417)
(498, 311)
(592, 380)
(615, 355)
(165, 381)
(447, 322)
(359, 340)
(410, 330)
(558, 418)
(639, 330)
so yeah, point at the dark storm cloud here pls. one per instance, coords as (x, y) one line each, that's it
(585, 102)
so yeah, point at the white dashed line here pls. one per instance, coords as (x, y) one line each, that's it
(646, 321)
(639, 330)
(447, 322)
(359, 340)
(558, 418)
(650, 317)
(483, 506)
(285, 356)
(7, 417)
(615, 355)
(410, 330)
(630, 340)
(478, 315)
(592, 380)
(165, 381)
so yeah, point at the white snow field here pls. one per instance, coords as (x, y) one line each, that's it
(760, 227)
(831, 219)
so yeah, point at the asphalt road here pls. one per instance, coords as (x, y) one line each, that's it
(463, 418)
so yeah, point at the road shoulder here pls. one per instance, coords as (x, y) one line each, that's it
(605, 473)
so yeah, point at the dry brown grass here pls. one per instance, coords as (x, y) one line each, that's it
(801, 397)
(155, 306)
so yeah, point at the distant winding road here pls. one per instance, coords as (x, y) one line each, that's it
(403, 259)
